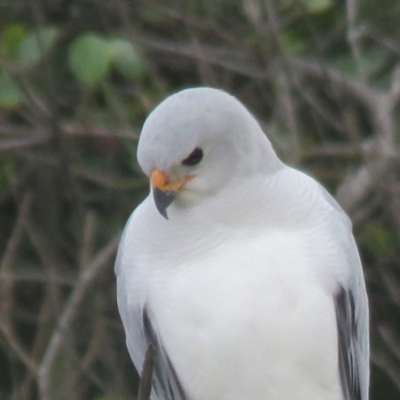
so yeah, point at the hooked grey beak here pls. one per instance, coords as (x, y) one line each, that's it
(163, 199)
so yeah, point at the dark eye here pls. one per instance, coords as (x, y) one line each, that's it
(194, 157)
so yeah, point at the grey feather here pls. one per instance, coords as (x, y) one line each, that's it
(347, 334)
(352, 347)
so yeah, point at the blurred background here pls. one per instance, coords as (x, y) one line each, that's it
(77, 79)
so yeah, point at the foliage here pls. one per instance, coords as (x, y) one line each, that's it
(76, 82)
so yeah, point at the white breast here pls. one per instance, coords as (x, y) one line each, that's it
(252, 320)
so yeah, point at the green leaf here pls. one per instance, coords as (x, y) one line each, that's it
(126, 59)
(345, 64)
(293, 44)
(10, 94)
(35, 45)
(379, 239)
(374, 58)
(12, 38)
(102, 397)
(317, 6)
(89, 58)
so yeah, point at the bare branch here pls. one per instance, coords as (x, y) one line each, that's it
(147, 374)
(85, 279)
(353, 35)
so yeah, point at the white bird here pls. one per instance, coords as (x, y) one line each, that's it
(251, 287)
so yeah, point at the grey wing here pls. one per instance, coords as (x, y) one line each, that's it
(139, 329)
(353, 341)
(165, 381)
(351, 306)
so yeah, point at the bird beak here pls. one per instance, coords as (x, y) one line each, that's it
(163, 199)
(164, 191)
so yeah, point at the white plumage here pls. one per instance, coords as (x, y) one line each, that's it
(253, 287)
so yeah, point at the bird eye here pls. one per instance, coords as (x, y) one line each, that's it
(194, 157)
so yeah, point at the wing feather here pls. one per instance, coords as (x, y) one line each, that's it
(137, 323)
(351, 305)
(347, 339)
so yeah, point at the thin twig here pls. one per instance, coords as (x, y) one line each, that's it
(7, 262)
(353, 35)
(147, 374)
(20, 143)
(17, 349)
(89, 229)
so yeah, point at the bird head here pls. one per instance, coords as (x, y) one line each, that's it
(196, 142)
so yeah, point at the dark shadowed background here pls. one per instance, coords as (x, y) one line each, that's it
(78, 77)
